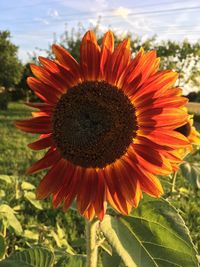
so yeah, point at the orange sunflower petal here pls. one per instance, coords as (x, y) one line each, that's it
(168, 138)
(48, 78)
(65, 59)
(119, 60)
(147, 102)
(142, 67)
(158, 84)
(154, 162)
(114, 194)
(162, 117)
(60, 72)
(89, 213)
(87, 192)
(148, 182)
(90, 57)
(129, 185)
(45, 92)
(106, 51)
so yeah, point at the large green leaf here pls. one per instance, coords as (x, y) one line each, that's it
(10, 263)
(9, 214)
(109, 260)
(35, 257)
(72, 261)
(153, 235)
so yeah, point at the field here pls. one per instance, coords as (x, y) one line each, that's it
(39, 222)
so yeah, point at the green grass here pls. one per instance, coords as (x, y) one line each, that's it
(15, 157)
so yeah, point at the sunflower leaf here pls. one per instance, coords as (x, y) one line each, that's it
(35, 257)
(153, 235)
(111, 260)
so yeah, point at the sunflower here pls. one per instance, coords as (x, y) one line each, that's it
(108, 123)
(193, 136)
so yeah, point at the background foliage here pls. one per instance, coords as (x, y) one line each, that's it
(10, 67)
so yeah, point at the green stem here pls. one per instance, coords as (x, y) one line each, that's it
(174, 182)
(92, 248)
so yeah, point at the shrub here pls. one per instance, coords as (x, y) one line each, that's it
(4, 99)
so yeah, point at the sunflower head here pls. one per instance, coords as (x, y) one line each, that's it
(193, 136)
(110, 125)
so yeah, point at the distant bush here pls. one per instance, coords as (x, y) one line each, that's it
(197, 119)
(194, 97)
(4, 99)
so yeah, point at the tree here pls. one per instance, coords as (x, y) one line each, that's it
(10, 66)
(183, 57)
(22, 90)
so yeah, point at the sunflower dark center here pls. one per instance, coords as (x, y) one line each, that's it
(185, 129)
(93, 124)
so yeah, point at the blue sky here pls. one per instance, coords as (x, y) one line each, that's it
(33, 23)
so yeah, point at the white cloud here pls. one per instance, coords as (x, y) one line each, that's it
(122, 11)
(53, 13)
(120, 21)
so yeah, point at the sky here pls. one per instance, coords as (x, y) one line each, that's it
(38, 23)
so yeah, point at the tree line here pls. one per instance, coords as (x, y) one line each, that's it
(183, 57)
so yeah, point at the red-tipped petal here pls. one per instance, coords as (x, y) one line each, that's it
(167, 138)
(35, 125)
(64, 75)
(51, 157)
(90, 57)
(148, 182)
(48, 78)
(41, 106)
(100, 198)
(52, 180)
(106, 51)
(64, 58)
(45, 92)
(64, 188)
(42, 143)
(118, 63)
(73, 187)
